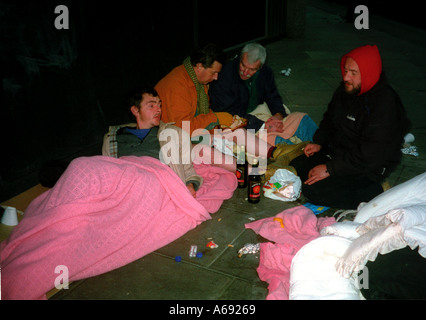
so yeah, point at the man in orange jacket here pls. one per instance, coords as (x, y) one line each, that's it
(186, 103)
(184, 91)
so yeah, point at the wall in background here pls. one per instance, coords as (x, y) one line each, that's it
(61, 89)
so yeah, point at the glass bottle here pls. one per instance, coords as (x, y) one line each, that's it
(241, 167)
(254, 184)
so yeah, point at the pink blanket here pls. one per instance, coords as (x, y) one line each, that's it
(104, 213)
(290, 230)
(291, 124)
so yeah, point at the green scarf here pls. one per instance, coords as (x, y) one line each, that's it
(202, 98)
(251, 86)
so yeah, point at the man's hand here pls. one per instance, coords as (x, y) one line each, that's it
(311, 148)
(317, 173)
(224, 118)
(274, 125)
(191, 189)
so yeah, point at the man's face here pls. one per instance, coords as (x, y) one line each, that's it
(247, 70)
(352, 77)
(207, 75)
(149, 113)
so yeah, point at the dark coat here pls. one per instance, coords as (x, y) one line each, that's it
(364, 133)
(230, 94)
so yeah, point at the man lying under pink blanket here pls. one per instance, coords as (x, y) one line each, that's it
(104, 213)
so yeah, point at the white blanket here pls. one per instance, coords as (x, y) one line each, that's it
(383, 234)
(391, 221)
(314, 276)
(411, 192)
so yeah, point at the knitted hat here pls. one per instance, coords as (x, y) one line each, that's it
(369, 63)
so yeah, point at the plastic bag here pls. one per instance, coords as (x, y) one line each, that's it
(284, 185)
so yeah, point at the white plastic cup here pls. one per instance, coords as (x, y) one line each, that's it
(10, 216)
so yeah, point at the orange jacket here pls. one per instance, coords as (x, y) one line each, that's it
(179, 100)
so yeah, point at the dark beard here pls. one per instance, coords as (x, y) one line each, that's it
(354, 91)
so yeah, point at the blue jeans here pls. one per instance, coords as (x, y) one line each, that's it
(305, 131)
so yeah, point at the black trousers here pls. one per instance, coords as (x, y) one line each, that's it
(400, 274)
(342, 192)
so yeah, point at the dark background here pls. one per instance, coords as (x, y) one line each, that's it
(61, 89)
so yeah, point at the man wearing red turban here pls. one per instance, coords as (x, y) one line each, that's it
(359, 139)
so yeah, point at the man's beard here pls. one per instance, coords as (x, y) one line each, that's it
(353, 91)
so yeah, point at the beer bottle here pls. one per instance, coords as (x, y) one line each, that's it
(241, 167)
(254, 183)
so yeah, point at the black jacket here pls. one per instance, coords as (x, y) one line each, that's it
(364, 133)
(230, 94)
